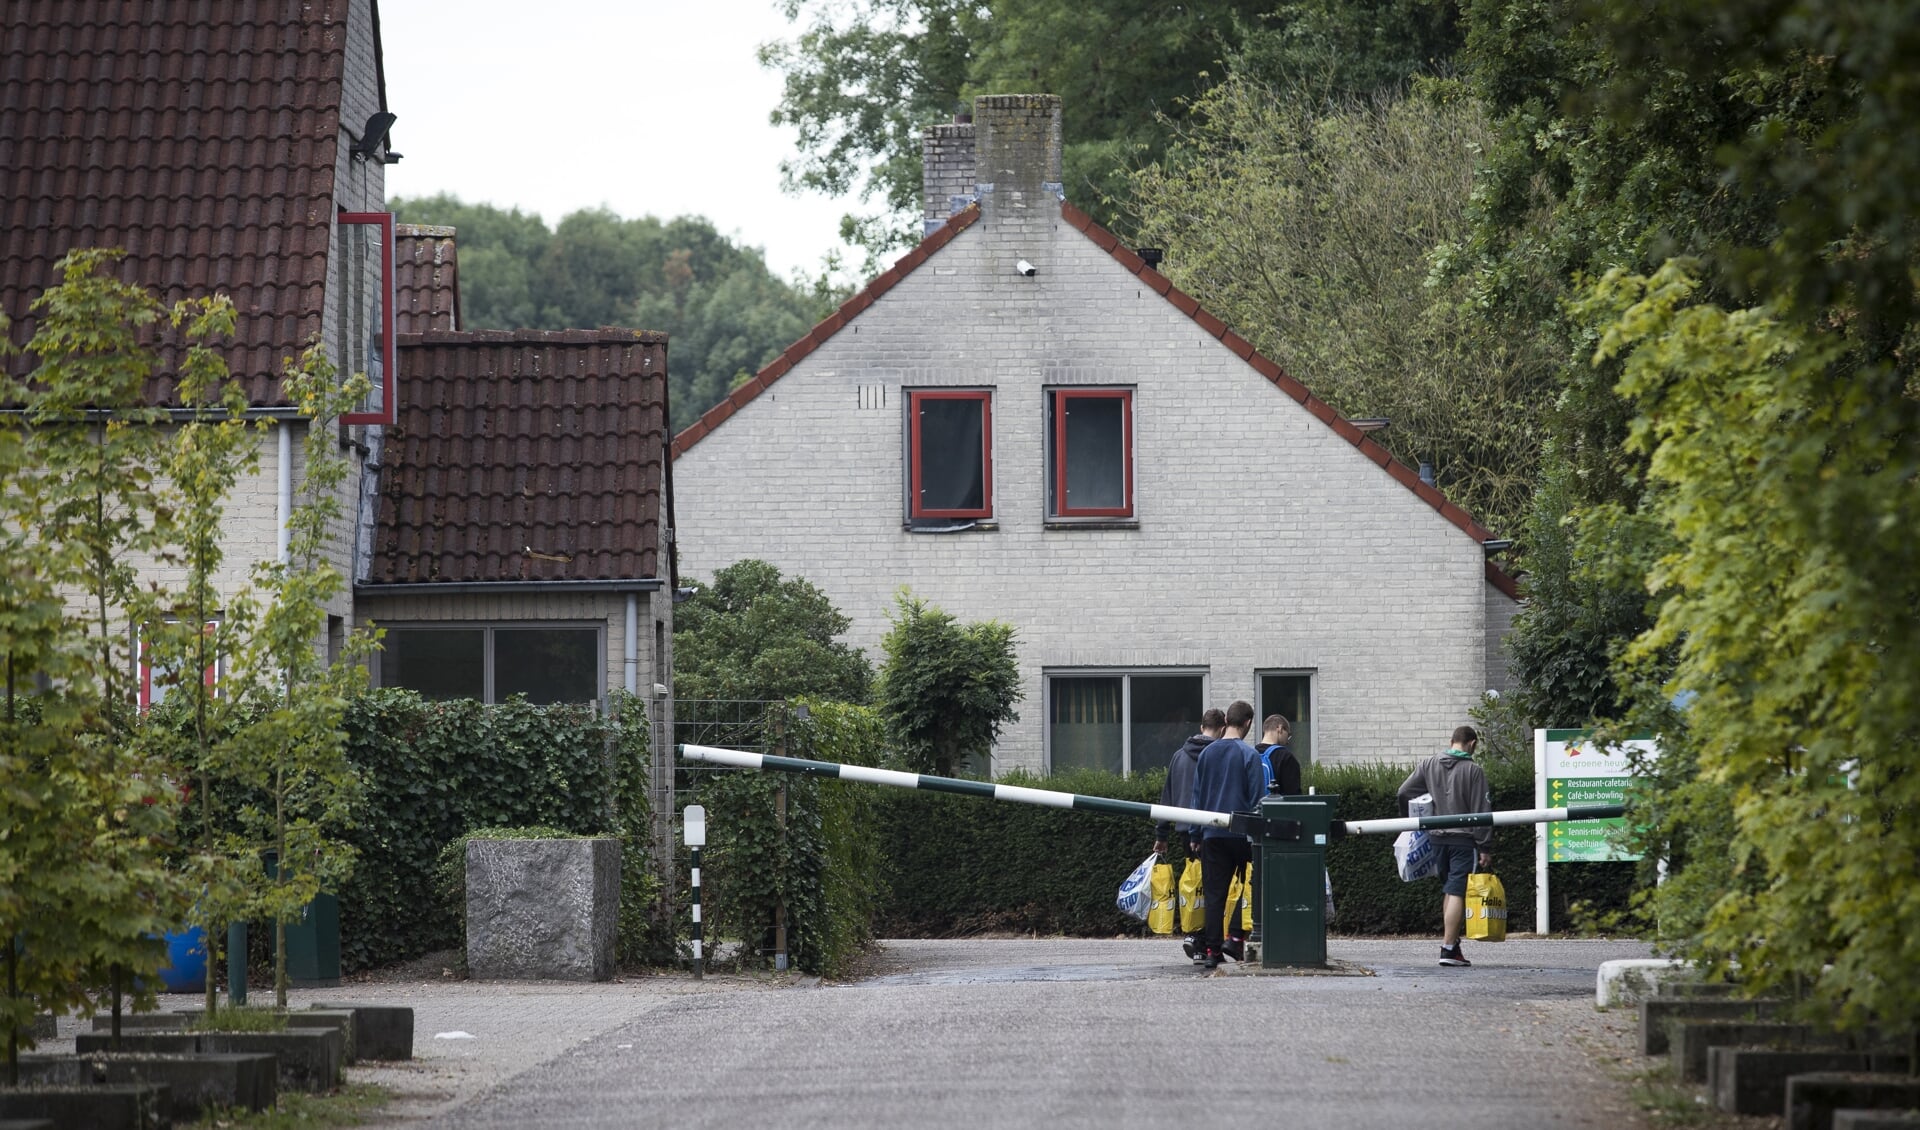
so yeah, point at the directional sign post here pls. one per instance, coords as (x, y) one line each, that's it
(1569, 769)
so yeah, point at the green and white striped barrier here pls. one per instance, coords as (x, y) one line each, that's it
(1394, 827)
(1048, 798)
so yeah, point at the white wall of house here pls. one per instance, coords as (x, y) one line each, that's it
(1264, 540)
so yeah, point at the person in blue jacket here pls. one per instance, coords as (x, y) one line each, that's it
(1227, 778)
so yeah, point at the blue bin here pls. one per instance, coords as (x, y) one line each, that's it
(186, 970)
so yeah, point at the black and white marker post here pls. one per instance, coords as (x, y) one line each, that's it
(694, 818)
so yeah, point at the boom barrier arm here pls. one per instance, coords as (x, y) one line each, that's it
(1048, 798)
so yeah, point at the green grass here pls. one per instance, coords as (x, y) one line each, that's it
(241, 1020)
(351, 1105)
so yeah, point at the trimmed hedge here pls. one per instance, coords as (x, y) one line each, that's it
(826, 866)
(961, 865)
(435, 771)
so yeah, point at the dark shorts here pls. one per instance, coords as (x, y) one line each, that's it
(1456, 863)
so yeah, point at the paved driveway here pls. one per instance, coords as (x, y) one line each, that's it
(987, 1033)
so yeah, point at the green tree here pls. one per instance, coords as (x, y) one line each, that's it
(861, 82)
(1308, 226)
(947, 688)
(293, 751)
(726, 313)
(1785, 469)
(755, 635)
(84, 890)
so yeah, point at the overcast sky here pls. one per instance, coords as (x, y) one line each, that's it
(649, 107)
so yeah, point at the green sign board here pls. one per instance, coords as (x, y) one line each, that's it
(1576, 771)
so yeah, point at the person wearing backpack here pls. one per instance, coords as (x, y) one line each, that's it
(1282, 767)
(1459, 786)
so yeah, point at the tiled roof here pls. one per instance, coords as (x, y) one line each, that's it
(426, 279)
(199, 137)
(1181, 301)
(524, 455)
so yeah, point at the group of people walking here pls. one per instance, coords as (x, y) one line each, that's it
(1218, 770)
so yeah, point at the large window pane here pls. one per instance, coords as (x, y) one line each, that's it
(1292, 697)
(439, 663)
(1166, 711)
(1095, 438)
(1084, 730)
(950, 456)
(546, 664)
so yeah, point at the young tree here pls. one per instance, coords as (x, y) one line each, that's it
(947, 687)
(293, 751)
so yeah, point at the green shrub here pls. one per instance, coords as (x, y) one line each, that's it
(436, 771)
(961, 865)
(825, 865)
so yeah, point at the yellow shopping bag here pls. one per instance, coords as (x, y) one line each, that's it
(1240, 894)
(1165, 907)
(1193, 901)
(1486, 908)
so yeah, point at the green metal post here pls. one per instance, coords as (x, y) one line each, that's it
(237, 963)
(1293, 922)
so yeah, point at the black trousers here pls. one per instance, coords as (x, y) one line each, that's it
(1220, 858)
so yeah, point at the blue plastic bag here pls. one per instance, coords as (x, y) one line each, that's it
(1136, 894)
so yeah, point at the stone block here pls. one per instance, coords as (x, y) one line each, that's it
(1754, 1080)
(1813, 1099)
(542, 909)
(1632, 980)
(310, 1058)
(124, 1106)
(1854, 1119)
(26, 1124)
(144, 1021)
(380, 1031)
(196, 1081)
(1688, 1041)
(329, 1018)
(1657, 1014)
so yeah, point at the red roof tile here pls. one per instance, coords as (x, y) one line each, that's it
(201, 138)
(426, 279)
(525, 455)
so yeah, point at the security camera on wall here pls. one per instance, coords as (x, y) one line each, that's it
(1024, 268)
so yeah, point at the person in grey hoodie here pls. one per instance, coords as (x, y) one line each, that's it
(1459, 787)
(1178, 792)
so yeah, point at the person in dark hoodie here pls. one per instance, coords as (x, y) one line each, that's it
(1178, 790)
(1459, 787)
(1227, 778)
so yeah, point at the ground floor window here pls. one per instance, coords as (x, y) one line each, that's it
(1121, 721)
(547, 663)
(1289, 694)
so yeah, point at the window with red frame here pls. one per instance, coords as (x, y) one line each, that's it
(950, 453)
(158, 680)
(365, 319)
(1090, 453)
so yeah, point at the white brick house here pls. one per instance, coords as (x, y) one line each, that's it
(1168, 520)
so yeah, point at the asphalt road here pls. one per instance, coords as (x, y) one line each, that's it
(1062, 1033)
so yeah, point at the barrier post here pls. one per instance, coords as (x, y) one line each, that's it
(1293, 881)
(694, 818)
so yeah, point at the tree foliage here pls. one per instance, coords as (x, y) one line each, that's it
(862, 81)
(1786, 471)
(726, 313)
(947, 687)
(755, 635)
(1307, 225)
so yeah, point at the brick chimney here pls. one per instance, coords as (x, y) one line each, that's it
(1007, 158)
